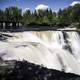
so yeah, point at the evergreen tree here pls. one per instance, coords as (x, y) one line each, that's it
(1, 15)
(13, 14)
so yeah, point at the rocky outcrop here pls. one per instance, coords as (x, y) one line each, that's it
(23, 70)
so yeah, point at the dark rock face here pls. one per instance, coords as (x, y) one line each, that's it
(67, 46)
(28, 71)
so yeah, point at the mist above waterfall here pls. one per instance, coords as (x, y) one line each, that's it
(53, 49)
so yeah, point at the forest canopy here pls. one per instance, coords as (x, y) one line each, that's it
(67, 17)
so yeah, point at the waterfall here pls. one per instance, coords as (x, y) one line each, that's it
(53, 49)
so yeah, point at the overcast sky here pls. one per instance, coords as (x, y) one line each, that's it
(32, 4)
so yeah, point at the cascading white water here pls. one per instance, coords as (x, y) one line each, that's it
(53, 49)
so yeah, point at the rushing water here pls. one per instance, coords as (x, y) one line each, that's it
(53, 49)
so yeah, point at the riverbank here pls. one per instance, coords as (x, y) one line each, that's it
(23, 70)
(40, 29)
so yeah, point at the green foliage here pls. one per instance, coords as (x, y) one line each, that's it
(69, 15)
(63, 18)
(13, 14)
(1, 15)
(39, 17)
(75, 13)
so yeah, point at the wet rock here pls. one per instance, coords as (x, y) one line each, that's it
(24, 70)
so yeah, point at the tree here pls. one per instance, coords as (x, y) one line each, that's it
(75, 13)
(1, 15)
(63, 17)
(27, 17)
(13, 14)
(45, 20)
